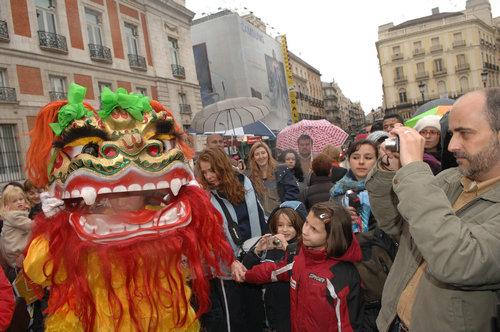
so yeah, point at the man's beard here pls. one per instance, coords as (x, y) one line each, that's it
(481, 162)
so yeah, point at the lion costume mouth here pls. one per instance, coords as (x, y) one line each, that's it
(134, 203)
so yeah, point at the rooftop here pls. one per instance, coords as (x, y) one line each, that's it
(425, 19)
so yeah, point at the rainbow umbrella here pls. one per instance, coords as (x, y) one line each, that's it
(438, 110)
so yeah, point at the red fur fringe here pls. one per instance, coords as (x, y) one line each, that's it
(202, 242)
(42, 138)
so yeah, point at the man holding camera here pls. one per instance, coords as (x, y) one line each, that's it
(446, 275)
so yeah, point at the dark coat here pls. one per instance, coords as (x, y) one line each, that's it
(318, 191)
(288, 189)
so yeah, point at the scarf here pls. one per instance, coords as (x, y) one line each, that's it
(338, 193)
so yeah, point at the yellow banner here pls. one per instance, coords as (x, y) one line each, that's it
(292, 94)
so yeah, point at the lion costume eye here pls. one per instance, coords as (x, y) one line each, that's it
(91, 148)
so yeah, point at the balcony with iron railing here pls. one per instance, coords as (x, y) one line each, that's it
(491, 66)
(52, 42)
(8, 95)
(397, 56)
(400, 79)
(4, 31)
(461, 67)
(418, 52)
(422, 75)
(100, 53)
(458, 43)
(436, 48)
(137, 62)
(57, 95)
(439, 72)
(178, 71)
(185, 108)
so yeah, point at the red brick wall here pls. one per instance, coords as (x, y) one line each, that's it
(30, 80)
(31, 120)
(20, 18)
(154, 92)
(86, 81)
(101, 2)
(114, 23)
(146, 39)
(75, 30)
(129, 11)
(126, 85)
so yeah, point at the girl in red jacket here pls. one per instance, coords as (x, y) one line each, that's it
(324, 284)
(7, 302)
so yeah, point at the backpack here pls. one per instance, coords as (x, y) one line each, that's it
(379, 251)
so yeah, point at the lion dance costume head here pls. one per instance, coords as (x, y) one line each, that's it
(136, 233)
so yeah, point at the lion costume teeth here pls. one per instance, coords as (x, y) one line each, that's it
(133, 210)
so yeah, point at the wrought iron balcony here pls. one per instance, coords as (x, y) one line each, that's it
(52, 42)
(436, 48)
(185, 108)
(100, 53)
(421, 75)
(4, 31)
(458, 43)
(462, 67)
(57, 95)
(8, 95)
(397, 56)
(178, 71)
(137, 62)
(440, 72)
(418, 52)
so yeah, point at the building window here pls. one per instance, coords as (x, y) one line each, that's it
(131, 36)
(399, 73)
(57, 87)
(3, 78)
(102, 85)
(10, 154)
(457, 36)
(94, 27)
(142, 91)
(460, 60)
(435, 41)
(182, 98)
(417, 45)
(464, 84)
(402, 96)
(443, 93)
(438, 65)
(420, 67)
(174, 50)
(396, 50)
(46, 15)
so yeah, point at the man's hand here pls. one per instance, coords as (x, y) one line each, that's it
(238, 271)
(411, 145)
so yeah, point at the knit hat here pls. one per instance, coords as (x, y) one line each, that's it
(378, 136)
(428, 121)
(298, 206)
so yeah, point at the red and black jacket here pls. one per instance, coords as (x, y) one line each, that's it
(325, 293)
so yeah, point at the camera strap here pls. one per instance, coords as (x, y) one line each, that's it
(231, 224)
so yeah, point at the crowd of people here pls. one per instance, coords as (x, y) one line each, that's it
(370, 238)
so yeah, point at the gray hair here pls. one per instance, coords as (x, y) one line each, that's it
(492, 108)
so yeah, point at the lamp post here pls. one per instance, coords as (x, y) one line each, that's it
(484, 76)
(421, 88)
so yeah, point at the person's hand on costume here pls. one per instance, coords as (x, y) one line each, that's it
(238, 271)
(411, 145)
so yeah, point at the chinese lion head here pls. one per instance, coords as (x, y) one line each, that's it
(135, 225)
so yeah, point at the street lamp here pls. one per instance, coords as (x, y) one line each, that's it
(484, 76)
(421, 87)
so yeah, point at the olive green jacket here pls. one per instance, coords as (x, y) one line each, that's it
(462, 249)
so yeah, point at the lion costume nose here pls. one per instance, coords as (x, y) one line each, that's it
(132, 143)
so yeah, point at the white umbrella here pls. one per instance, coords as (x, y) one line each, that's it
(228, 114)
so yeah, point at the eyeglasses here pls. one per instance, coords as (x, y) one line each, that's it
(429, 132)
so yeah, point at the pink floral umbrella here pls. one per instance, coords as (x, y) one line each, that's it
(322, 133)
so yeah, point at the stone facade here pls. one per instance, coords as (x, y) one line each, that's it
(340, 110)
(143, 46)
(441, 55)
(307, 80)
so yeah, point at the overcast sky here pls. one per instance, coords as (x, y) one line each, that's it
(337, 37)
